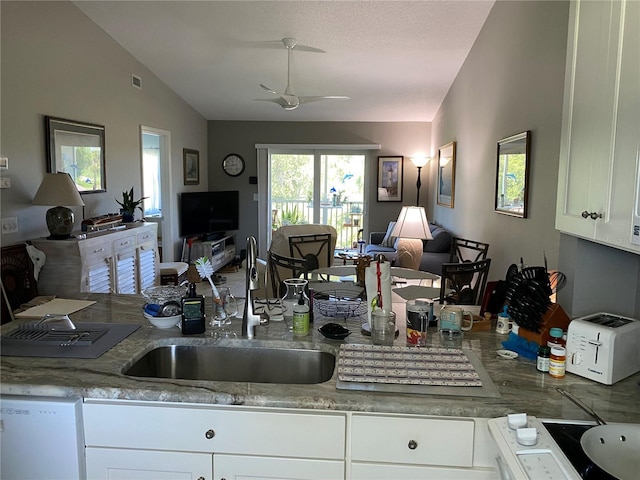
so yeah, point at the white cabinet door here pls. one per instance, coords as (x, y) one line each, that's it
(99, 278)
(121, 464)
(599, 144)
(237, 467)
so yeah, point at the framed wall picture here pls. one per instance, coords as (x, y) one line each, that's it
(390, 179)
(191, 165)
(446, 174)
(77, 148)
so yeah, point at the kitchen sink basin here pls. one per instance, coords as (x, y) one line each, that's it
(235, 364)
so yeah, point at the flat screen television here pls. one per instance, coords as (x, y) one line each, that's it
(207, 213)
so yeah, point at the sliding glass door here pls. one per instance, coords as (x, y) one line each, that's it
(317, 186)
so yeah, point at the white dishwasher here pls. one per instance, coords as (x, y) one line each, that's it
(41, 437)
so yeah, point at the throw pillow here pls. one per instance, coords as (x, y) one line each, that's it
(388, 240)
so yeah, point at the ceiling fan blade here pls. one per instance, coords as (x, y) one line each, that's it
(322, 97)
(306, 48)
(270, 90)
(292, 104)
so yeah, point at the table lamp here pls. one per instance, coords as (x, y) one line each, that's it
(58, 189)
(411, 228)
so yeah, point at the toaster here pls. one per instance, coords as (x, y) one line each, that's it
(603, 347)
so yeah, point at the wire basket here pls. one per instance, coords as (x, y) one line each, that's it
(339, 303)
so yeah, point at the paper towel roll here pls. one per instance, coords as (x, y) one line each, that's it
(371, 282)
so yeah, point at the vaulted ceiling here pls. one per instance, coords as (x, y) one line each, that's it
(395, 59)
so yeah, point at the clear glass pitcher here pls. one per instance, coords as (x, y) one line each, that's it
(295, 288)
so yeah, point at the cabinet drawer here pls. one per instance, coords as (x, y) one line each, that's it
(146, 237)
(412, 440)
(124, 243)
(209, 430)
(93, 253)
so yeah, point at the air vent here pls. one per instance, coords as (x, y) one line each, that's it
(136, 81)
(635, 234)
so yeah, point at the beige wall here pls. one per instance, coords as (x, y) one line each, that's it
(57, 62)
(403, 139)
(512, 81)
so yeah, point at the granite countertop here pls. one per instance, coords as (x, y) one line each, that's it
(521, 387)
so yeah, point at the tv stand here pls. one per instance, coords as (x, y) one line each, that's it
(211, 237)
(220, 251)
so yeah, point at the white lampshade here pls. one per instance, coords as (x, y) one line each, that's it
(420, 161)
(412, 223)
(411, 228)
(58, 189)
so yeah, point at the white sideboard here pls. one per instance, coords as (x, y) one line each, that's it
(115, 261)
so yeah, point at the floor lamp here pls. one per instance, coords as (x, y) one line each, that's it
(411, 228)
(419, 162)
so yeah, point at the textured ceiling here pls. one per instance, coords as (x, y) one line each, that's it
(395, 59)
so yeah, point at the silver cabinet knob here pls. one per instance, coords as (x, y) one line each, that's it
(412, 445)
(210, 434)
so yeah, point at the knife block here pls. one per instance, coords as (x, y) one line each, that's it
(555, 317)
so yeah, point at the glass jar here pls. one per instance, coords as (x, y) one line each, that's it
(544, 354)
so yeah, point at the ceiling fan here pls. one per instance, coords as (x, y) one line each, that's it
(288, 99)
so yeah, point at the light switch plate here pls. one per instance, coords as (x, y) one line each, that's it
(4, 163)
(5, 182)
(10, 225)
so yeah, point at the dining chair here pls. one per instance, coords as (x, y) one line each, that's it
(465, 282)
(314, 247)
(280, 268)
(464, 250)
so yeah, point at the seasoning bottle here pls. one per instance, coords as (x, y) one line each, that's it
(544, 353)
(555, 338)
(301, 318)
(557, 362)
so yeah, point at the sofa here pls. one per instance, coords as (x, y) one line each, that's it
(435, 252)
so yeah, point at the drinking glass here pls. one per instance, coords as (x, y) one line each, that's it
(230, 305)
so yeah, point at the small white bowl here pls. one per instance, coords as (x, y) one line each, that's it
(163, 322)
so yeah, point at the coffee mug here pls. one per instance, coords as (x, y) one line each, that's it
(452, 320)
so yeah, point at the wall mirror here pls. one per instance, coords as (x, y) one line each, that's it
(512, 175)
(77, 148)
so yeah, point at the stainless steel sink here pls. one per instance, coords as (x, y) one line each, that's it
(235, 364)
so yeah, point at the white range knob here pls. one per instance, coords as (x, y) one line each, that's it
(517, 420)
(527, 436)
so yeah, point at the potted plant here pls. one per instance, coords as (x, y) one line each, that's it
(129, 206)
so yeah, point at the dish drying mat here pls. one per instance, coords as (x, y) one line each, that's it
(432, 370)
(30, 340)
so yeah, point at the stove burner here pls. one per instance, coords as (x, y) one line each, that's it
(567, 436)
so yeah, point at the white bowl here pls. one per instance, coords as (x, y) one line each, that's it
(163, 322)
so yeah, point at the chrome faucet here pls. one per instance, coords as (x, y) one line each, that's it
(250, 320)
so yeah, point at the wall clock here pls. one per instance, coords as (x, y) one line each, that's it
(233, 164)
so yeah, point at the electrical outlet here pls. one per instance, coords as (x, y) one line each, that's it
(10, 225)
(5, 182)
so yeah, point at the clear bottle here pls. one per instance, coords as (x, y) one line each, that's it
(557, 362)
(544, 354)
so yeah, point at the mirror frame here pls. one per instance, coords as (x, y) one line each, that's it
(507, 147)
(55, 162)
